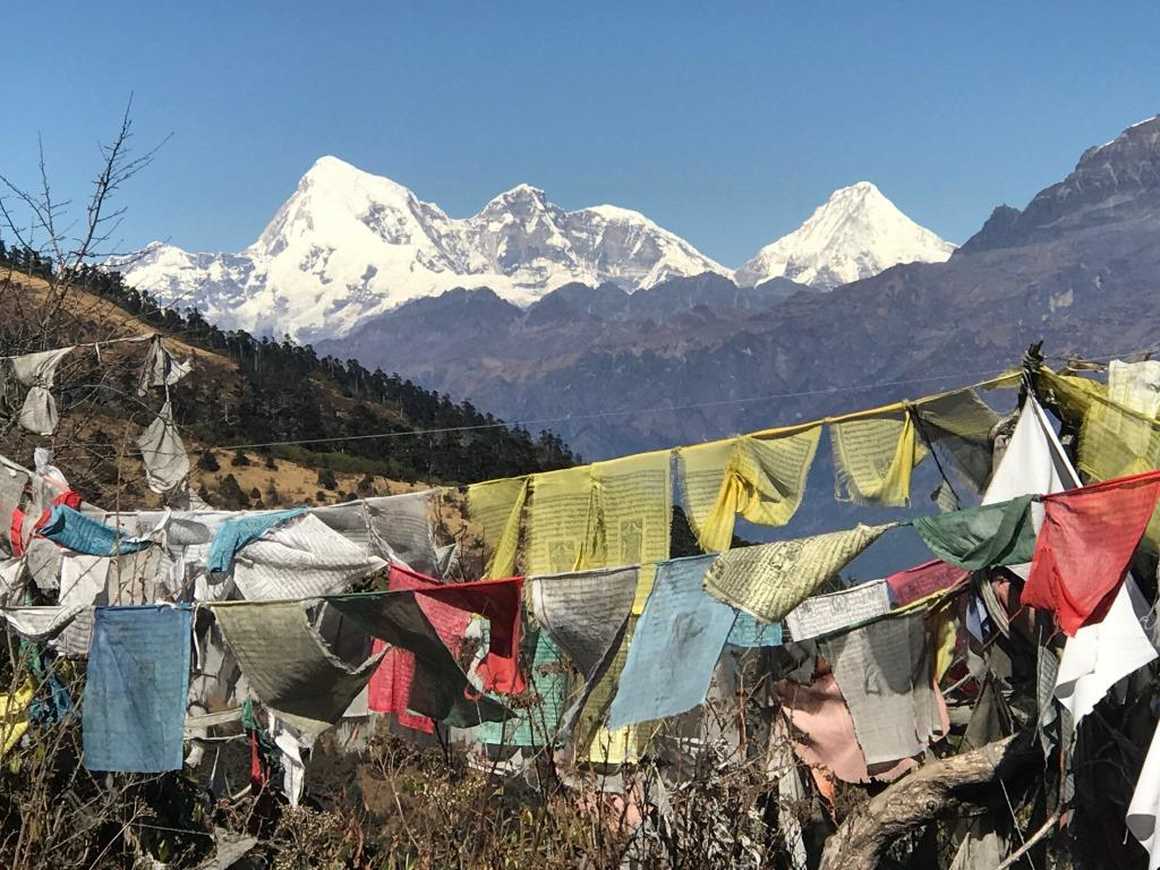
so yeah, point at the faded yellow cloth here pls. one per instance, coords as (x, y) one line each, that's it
(14, 716)
(946, 636)
(762, 477)
(1114, 439)
(634, 505)
(559, 536)
(602, 515)
(498, 505)
(873, 457)
(595, 743)
(606, 514)
(770, 580)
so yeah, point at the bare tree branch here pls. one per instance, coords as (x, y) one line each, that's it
(936, 788)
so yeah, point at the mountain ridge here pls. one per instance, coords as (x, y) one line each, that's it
(1086, 281)
(348, 246)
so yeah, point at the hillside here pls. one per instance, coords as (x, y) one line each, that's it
(244, 391)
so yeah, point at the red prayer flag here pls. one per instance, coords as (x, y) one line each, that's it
(390, 688)
(449, 607)
(922, 580)
(500, 603)
(1086, 545)
(390, 685)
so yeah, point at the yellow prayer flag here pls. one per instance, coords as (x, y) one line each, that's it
(873, 457)
(770, 580)
(559, 536)
(635, 514)
(14, 716)
(762, 477)
(498, 505)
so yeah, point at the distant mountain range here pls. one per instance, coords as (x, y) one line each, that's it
(1079, 267)
(348, 246)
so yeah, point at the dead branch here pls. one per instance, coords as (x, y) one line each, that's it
(937, 788)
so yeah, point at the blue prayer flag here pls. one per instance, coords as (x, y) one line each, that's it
(676, 646)
(74, 531)
(750, 631)
(135, 692)
(235, 534)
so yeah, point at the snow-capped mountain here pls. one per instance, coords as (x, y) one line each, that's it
(348, 245)
(855, 234)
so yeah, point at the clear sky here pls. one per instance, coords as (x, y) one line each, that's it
(726, 122)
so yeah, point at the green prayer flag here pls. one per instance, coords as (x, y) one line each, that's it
(982, 537)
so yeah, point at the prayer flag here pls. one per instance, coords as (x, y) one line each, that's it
(497, 506)
(916, 583)
(874, 456)
(136, 687)
(981, 537)
(770, 580)
(762, 477)
(675, 647)
(1086, 545)
(236, 533)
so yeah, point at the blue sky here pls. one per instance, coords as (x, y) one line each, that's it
(726, 123)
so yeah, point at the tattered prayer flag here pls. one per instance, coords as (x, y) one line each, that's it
(390, 685)
(762, 477)
(300, 558)
(536, 725)
(819, 714)
(1086, 545)
(981, 537)
(82, 534)
(960, 424)
(586, 614)
(825, 614)
(161, 368)
(14, 716)
(234, 534)
(37, 371)
(1101, 654)
(770, 580)
(874, 456)
(389, 689)
(163, 453)
(750, 632)
(916, 583)
(399, 529)
(675, 647)
(497, 505)
(136, 687)
(500, 603)
(884, 671)
(289, 665)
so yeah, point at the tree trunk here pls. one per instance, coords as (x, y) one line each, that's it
(936, 788)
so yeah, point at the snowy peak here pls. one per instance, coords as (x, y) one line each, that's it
(854, 234)
(348, 244)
